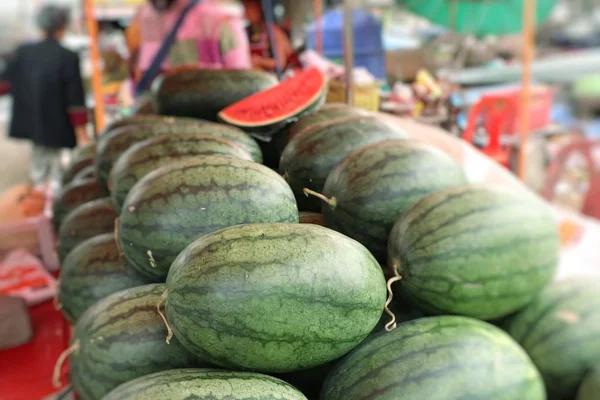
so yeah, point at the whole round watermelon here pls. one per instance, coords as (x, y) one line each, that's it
(436, 358)
(73, 195)
(371, 188)
(178, 203)
(560, 331)
(477, 250)
(274, 297)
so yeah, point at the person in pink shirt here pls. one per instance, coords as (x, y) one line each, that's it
(212, 35)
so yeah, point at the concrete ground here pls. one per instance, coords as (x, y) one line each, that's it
(14, 154)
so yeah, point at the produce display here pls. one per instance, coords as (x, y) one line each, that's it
(86, 221)
(204, 93)
(73, 195)
(310, 156)
(279, 325)
(363, 267)
(92, 271)
(362, 198)
(560, 330)
(189, 383)
(177, 203)
(120, 338)
(76, 165)
(145, 157)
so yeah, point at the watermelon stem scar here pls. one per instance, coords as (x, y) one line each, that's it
(61, 360)
(117, 236)
(162, 299)
(331, 201)
(390, 326)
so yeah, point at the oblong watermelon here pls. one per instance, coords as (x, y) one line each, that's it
(267, 112)
(203, 93)
(117, 141)
(92, 271)
(310, 156)
(374, 185)
(560, 331)
(474, 250)
(214, 384)
(73, 195)
(88, 220)
(590, 387)
(88, 172)
(174, 205)
(436, 358)
(274, 297)
(120, 338)
(145, 157)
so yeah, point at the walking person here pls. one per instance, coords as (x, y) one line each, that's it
(44, 80)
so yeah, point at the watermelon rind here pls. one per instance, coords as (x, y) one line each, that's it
(213, 384)
(171, 207)
(120, 338)
(436, 358)
(590, 387)
(479, 250)
(274, 297)
(73, 195)
(560, 330)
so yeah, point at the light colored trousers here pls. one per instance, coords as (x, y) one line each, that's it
(45, 165)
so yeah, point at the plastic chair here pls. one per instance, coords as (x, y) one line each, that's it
(588, 150)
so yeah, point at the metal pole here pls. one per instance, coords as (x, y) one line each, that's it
(349, 51)
(92, 28)
(529, 20)
(267, 6)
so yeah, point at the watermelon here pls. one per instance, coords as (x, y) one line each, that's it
(475, 250)
(373, 186)
(76, 165)
(75, 194)
(308, 217)
(436, 358)
(310, 156)
(92, 271)
(120, 338)
(145, 157)
(274, 297)
(119, 140)
(560, 331)
(88, 220)
(213, 384)
(203, 93)
(170, 207)
(86, 151)
(88, 172)
(590, 387)
(144, 119)
(267, 112)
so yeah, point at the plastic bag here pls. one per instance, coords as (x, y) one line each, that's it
(22, 274)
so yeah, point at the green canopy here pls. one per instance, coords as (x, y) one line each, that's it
(477, 17)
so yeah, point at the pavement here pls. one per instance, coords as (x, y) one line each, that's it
(14, 154)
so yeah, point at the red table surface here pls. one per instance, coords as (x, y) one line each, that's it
(26, 371)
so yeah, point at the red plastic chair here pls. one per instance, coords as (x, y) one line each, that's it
(589, 150)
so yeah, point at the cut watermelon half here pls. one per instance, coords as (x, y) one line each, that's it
(281, 104)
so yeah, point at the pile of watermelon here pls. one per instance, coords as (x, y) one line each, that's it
(365, 266)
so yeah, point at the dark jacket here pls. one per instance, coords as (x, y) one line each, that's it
(45, 83)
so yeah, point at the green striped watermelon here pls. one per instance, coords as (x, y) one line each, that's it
(76, 165)
(311, 155)
(474, 250)
(88, 220)
(207, 384)
(86, 151)
(73, 195)
(590, 387)
(145, 157)
(88, 172)
(144, 119)
(174, 205)
(203, 93)
(374, 185)
(120, 338)
(92, 271)
(117, 141)
(436, 358)
(560, 331)
(274, 297)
